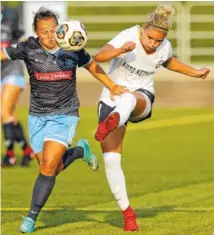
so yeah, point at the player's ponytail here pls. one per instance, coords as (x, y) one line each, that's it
(162, 17)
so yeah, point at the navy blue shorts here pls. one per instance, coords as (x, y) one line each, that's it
(104, 110)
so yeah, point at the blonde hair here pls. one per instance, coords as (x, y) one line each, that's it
(162, 17)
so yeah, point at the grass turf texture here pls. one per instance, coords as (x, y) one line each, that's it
(169, 174)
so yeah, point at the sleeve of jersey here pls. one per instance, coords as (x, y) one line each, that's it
(16, 51)
(169, 51)
(119, 40)
(84, 58)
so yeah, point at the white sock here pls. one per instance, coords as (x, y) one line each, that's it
(116, 179)
(124, 106)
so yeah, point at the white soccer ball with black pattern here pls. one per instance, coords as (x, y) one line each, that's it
(71, 35)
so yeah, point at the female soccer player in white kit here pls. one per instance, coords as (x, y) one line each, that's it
(135, 54)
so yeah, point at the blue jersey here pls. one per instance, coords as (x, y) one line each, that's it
(52, 76)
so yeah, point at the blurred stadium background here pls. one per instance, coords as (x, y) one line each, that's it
(169, 160)
(191, 37)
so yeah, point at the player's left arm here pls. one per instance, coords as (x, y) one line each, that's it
(3, 55)
(176, 65)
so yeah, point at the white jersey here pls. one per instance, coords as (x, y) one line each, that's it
(136, 68)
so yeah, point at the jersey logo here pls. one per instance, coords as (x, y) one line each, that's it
(39, 61)
(14, 45)
(139, 72)
(54, 76)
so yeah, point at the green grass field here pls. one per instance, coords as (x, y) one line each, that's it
(169, 166)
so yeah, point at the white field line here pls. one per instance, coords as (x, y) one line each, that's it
(5, 209)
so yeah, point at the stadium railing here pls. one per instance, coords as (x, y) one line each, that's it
(191, 37)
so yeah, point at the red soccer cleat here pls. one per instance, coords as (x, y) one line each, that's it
(130, 223)
(109, 124)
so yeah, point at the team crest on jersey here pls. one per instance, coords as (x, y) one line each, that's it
(69, 62)
(14, 45)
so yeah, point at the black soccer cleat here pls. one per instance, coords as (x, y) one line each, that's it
(25, 161)
(8, 161)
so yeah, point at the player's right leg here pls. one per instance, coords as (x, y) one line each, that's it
(49, 137)
(36, 130)
(49, 151)
(45, 182)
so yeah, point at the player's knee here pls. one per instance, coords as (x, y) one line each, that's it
(48, 168)
(111, 160)
(129, 98)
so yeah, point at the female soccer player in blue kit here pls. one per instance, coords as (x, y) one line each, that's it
(54, 105)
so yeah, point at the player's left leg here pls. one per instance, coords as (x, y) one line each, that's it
(112, 153)
(81, 151)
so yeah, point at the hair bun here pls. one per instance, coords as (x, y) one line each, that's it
(165, 10)
(162, 17)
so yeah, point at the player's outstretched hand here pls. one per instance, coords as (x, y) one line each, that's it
(118, 90)
(128, 46)
(202, 73)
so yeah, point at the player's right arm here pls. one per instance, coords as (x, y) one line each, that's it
(15, 51)
(117, 46)
(109, 52)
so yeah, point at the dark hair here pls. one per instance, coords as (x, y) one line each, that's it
(43, 13)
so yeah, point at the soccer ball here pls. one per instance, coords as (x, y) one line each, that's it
(71, 35)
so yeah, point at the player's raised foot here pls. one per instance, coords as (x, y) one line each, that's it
(8, 161)
(109, 124)
(130, 223)
(89, 157)
(27, 225)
